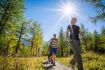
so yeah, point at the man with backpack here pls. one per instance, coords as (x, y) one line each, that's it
(73, 32)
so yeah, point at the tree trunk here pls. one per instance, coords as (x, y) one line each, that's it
(17, 47)
(7, 48)
(32, 48)
(36, 51)
(61, 51)
(86, 47)
(20, 35)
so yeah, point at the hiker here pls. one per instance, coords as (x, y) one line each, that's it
(53, 49)
(73, 32)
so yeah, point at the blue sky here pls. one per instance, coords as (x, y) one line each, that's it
(40, 10)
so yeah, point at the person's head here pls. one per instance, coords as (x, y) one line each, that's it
(54, 35)
(73, 20)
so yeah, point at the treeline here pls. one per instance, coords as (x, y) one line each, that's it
(91, 41)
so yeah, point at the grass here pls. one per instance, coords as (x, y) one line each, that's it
(92, 61)
(21, 63)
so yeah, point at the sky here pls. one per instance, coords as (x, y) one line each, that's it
(44, 11)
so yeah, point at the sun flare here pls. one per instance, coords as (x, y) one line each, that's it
(68, 10)
(65, 10)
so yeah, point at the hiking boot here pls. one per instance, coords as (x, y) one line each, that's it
(46, 62)
(54, 63)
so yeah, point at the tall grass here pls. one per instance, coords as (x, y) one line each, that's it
(21, 63)
(91, 61)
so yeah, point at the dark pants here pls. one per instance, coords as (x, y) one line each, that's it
(75, 44)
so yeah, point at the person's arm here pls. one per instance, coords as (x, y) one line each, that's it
(67, 32)
(49, 48)
(58, 48)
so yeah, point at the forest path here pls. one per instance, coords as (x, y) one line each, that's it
(59, 67)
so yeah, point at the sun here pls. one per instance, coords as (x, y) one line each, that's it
(68, 9)
(65, 10)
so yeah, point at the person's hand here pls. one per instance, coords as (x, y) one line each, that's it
(58, 48)
(49, 50)
(82, 33)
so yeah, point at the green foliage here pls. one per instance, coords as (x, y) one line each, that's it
(93, 41)
(21, 32)
(61, 42)
(86, 40)
(64, 46)
(94, 61)
(100, 7)
(21, 63)
(37, 38)
(11, 14)
(45, 49)
(25, 52)
(102, 40)
(91, 61)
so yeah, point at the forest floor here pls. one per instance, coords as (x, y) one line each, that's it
(91, 61)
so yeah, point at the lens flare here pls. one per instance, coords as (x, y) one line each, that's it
(66, 9)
